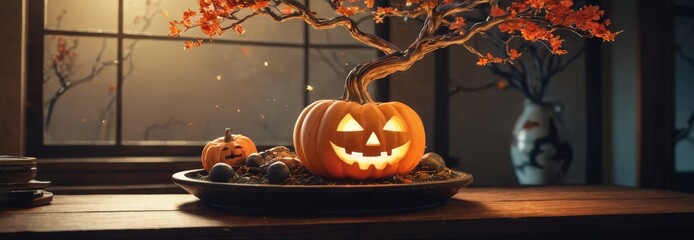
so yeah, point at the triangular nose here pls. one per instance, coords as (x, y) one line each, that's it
(373, 140)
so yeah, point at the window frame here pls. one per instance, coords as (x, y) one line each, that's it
(35, 110)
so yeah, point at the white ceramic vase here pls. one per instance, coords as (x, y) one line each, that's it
(540, 151)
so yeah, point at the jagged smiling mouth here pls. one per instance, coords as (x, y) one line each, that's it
(379, 162)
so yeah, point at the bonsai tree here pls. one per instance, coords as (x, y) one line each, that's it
(356, 138)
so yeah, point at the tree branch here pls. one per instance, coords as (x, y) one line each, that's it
(346, 22)
(363, 74)
(454, 8)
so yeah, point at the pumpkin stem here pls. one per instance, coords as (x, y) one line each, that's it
(227, 135)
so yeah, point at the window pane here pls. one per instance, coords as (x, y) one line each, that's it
(82, 15)
(79, 90)
(329, 67)
(187, 97)
(684, 87)
(137, 13)
(337, 35)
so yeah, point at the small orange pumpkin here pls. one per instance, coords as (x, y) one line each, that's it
(350, 140)
(231, 149)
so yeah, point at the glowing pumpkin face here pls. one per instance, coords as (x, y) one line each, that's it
(340, 139)
(377, 146)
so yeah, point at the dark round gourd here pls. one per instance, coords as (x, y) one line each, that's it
(277, 173)
(221, 172)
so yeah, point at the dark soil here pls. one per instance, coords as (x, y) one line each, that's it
(302, 176)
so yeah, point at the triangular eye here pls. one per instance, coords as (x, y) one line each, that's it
(394, 125)
(348, 124)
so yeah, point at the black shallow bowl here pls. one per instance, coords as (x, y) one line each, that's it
(321, 199)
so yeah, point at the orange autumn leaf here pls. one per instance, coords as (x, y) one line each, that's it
(188, 44)
(566, 3)
(382, 12)
(519, 7)
(497, 12)
(458, 24)
(239, 29)
(348, 11)
(537, 4)
(369, 3)
(529, 30)
(173, 29)
(555, 42)
(209, 23)
(489, 58)
(482, 62)
(494, 59)
(186, 17)
(287, 10)
(386, 10)
(513, 54)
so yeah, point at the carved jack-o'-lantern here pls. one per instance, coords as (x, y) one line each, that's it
(344, 139)
(231, 149)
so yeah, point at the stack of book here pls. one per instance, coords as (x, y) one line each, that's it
(18, 188)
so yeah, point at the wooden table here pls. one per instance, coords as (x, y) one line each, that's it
(567, 212)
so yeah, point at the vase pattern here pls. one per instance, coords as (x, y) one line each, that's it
(540, 151)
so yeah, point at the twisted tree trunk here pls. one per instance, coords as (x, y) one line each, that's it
(363, 74)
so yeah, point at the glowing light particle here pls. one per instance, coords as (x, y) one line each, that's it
(309, 87)
(219, 77)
